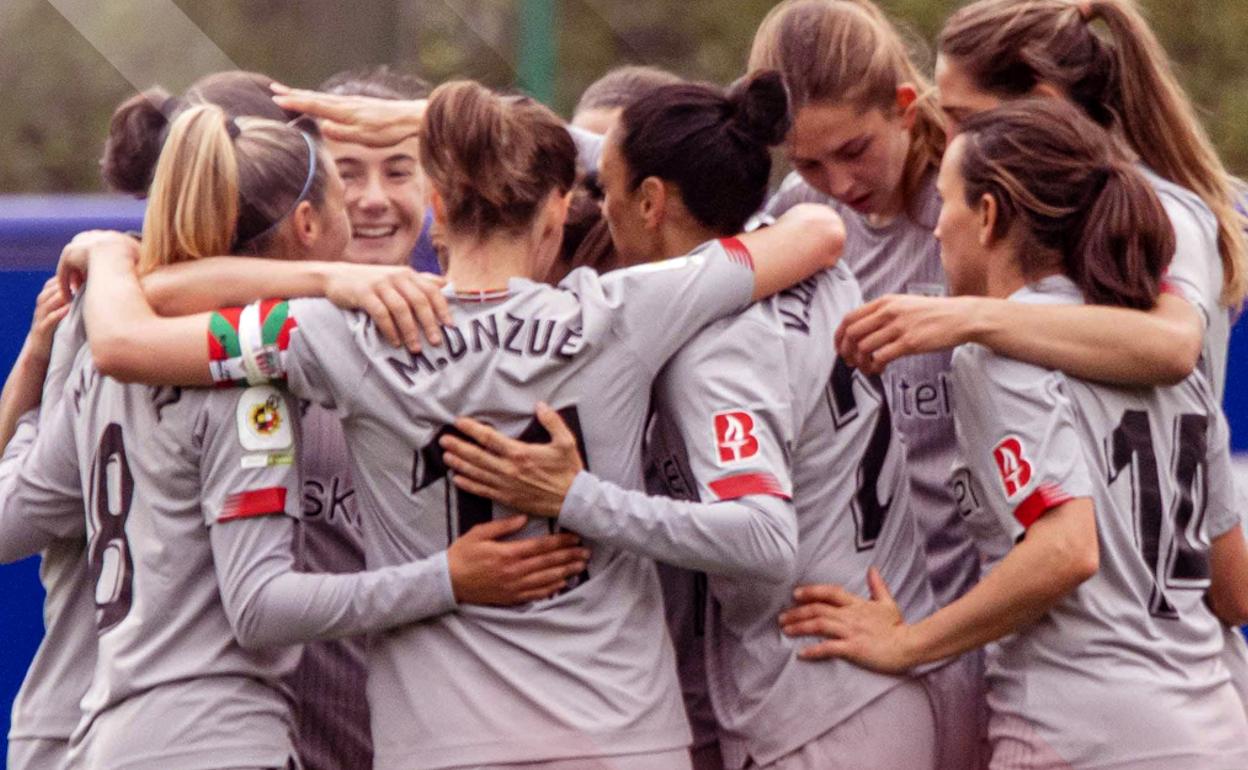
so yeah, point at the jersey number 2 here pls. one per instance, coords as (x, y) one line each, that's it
(111, 567)
(1183, 563)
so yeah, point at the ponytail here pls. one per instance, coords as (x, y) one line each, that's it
(711, 144)
(493, 159)
(224, 185)
(1071, 201)
(193, 205)
(1124, 242)
(1121, 78)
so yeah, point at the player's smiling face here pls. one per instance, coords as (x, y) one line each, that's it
(960, 229)
(385, 199)
(857, 157)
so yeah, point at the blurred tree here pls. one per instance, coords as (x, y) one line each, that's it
(58, 91)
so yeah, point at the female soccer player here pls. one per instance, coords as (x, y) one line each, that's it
(727, 404)
(996, 50)
(585, 679)
(174, 648)
(867, 141)
(1105, 513)
(387, 195)
(1102, 57)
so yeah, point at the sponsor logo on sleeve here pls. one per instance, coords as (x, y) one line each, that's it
(1013, 466)
(734, 436)
(263, 420)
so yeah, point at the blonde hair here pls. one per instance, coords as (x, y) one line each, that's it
(222, 185)
(1121, 78)
(848, 52)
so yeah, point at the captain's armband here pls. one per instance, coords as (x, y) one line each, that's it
(247, 346)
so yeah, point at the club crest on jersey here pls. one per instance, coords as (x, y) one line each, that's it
(263, 420)
(734, 436)
(1014, 468)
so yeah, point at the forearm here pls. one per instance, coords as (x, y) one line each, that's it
(807, 239)
(208, 284)
(1032, 578)
(22, 391)
(292, 607)
(1114, 345)
(19, 538)
(129, 341)
(754, 537)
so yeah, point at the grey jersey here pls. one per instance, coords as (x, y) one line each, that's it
(853, 500)
(159, 467)
(1125, 670)
(1196, 271)
(330, 699)
(903, 257)
(47, 706)
(588, 672)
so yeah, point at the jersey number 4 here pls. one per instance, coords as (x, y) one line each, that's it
(1183, 563)
(110, 564)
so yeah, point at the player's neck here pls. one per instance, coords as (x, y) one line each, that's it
(677, 242)
(484, 264)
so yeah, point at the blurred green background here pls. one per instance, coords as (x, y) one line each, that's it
(57, 89)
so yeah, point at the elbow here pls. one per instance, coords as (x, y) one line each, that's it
(114, 356)
(253, 634)
(823, 231)
(1230, 607)
(1077, 561)
(1180, 359)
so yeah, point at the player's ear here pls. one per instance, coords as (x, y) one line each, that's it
(307, 225)
(652, 198)
(439, 207)
(988, 213)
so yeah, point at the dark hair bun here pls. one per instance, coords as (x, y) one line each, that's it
(135, 135)
(762, 107)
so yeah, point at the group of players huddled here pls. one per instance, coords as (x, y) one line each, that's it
(917, 462)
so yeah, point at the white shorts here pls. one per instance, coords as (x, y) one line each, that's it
(38, 754)
(896, 730)
(677, 759)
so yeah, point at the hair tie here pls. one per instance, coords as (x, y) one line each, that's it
(231, 128)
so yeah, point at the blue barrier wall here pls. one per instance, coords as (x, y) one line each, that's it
(32, 231)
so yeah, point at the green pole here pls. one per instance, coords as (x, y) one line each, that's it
(538, 49)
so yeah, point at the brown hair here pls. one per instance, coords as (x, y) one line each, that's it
(493, 159)
(1070, 198)
(140, 124)
(222, 185)
(379, 82)
(1120, 77)
(586, 240)
(622, 86)
(848, 52)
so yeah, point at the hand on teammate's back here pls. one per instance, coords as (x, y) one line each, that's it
(868, 632)
(534, 478)
(356, 119)
(486, 570)
(402, 302)
(50, 307)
